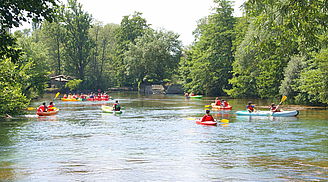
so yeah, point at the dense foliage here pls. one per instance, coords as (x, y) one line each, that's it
(22, 69)
(206, 66)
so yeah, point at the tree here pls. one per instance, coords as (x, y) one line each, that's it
(313, 80)
(131, 27)
(53, 35)
(78, 43)
(16, 70)
(154, 57)
(211, 55)
(103, 55)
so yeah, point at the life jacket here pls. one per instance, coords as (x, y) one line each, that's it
(218, 103)
(41, 108)
(117, 107)
(51, 107)
(225, 104)
(207, 118)
(250, 107)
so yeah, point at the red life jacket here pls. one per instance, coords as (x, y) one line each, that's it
(250, 107)
(207, 118)
(218, 103)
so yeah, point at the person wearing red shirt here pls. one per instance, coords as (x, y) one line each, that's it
(207, 117)
(217, 101)
(43, 108)
(250, 108)
(274, 108)
(50, 107)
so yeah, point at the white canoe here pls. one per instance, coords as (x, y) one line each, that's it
(268, 113)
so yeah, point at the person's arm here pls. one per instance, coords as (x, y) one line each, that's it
(203, 119)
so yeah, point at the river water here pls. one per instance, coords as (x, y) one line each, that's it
(157, 139)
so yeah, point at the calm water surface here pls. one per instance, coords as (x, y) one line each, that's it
(156, 139)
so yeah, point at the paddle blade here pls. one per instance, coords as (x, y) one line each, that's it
(190, 118)
(57, 95)
(207, 106)
(225, 121)
(283, 98)
(30, 108)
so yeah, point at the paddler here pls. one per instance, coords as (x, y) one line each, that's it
(43, 108)
(274, 108)
(250, 108)
(217, 101)
(51, 106)
(207, 117)
(116, 106)
(224, 103)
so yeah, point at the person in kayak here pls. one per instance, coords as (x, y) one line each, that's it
(224, 103)
(274, 108)
(51, 106)
(207, 117)
(43, 108)
(116, 106)
(217, 101)
(250, 108)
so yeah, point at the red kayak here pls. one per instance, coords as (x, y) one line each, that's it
(211, 123)
(49, 113)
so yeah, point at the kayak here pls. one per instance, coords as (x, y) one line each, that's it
(196, 96)
(268, 113)
(109, 109)
(210, 123)
(49, 113)
(98, 99)
(64, 99)
(214, 106)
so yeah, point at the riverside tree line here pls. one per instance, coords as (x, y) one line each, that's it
(278, 47)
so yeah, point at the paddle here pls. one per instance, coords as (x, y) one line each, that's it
(282, 100)
(31, 108)
(57, 94)
(207, 106)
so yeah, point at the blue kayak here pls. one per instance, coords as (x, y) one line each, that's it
(268, 113)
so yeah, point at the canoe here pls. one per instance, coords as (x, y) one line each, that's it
(109, 109)
(196, 96)
(49, 113)
(268, 113)
(210, 123)
(229, 107)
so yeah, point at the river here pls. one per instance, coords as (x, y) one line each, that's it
(157, 139)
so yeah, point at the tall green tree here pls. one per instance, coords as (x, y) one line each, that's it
(103, 55)
(212, 54)
(131, 27)
(154, 57)
(78, 44)
(53, 36)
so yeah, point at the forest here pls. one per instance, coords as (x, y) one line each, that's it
(278, 47)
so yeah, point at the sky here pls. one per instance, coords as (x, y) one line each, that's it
(179, 16)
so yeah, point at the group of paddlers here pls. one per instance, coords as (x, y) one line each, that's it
(222, 102)
(45, 108)
(92, 95)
